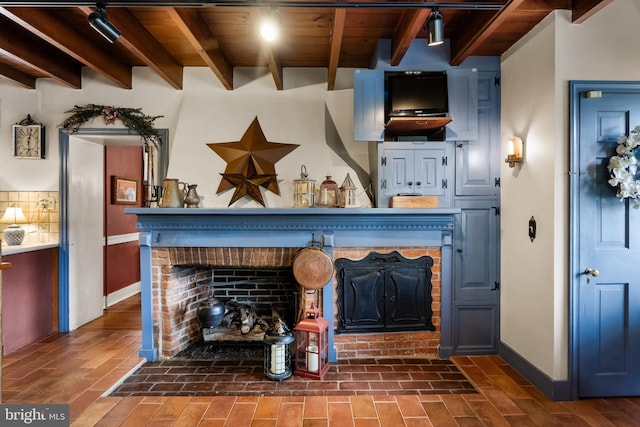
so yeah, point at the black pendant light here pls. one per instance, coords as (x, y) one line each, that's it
(99, 22)
(435, 27)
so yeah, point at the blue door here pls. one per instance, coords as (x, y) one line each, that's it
(606, 286)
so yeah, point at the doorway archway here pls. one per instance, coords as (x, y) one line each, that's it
(68, 250)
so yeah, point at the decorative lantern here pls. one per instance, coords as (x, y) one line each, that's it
(328, 193)
(304, 190)
(312, 345)
(347, 193)
(278, 351)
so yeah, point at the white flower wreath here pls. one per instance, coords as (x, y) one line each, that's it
(623, 168)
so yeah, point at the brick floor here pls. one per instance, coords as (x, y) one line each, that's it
(398, 376)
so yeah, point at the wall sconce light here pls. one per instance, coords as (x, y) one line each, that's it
(270, 26)
(435, 27)
(515, 151)
(99, 22)
(14, 234)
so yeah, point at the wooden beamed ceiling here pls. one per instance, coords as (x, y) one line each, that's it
(56, 42)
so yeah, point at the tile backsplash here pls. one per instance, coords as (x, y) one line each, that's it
(41, 210)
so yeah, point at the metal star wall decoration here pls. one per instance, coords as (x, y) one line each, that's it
(247, 185)
(250, 163)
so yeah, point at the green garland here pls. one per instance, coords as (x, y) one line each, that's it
(133, 118)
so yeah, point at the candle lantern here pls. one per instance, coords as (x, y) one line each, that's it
(347, 196)
(304, 190)
(312, 345)
(278, 353)
(328, 196)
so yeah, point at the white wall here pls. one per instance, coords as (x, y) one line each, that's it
(535, 106)
(203, 112)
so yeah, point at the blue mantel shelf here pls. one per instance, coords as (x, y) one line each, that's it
(272, 227)
(283, 227)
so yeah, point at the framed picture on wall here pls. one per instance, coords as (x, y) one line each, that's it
(124, 191)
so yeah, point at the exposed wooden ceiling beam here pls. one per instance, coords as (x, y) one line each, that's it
(463, 46)
(71, 42)
(337, 32)
(406, 31)
(581, 10)
(135, 38)
(24, 48)
(196, 31)
(18, 77)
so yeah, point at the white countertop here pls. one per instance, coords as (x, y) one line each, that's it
(26, 247)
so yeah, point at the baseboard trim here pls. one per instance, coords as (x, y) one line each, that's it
(122, 294)
(555, 390)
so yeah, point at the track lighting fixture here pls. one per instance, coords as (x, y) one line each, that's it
(435, 27)
(99, 22)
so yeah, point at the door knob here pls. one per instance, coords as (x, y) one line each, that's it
(592, 272)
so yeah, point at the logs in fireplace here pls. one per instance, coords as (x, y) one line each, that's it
(252, 299)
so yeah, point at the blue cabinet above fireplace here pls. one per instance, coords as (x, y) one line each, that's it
(369, 119)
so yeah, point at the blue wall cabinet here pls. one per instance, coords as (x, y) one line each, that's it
(463, 104)
(413, 168)
(476, 287)
(477, 161)
(463, 171)
(369, 102)
(476, 282)
(368, 105)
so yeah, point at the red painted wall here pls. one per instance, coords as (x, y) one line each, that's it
(122, 261)
(125, 162)
(28, 297)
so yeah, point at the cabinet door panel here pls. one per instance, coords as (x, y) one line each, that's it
(477, 162)
(475, 331)
(477, 255)
(476, 293)
(398, 172)
(413, 171)
(429, 172)
(368, 105)
(463, 104)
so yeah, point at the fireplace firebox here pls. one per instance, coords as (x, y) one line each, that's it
(252, 297)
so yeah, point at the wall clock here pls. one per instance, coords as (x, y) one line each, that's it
(28, 139)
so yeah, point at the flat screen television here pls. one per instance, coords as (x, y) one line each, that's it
(417, 94)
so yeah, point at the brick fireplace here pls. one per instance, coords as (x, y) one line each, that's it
(179, 286)
(179, 248)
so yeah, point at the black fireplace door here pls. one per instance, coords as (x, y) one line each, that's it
(384, 292)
